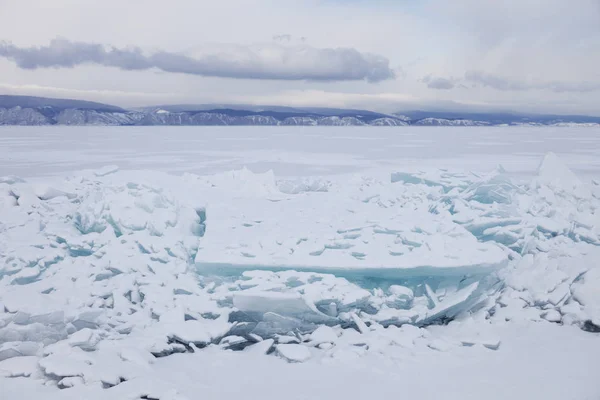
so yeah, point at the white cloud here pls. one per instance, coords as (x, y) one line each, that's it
(501, 83)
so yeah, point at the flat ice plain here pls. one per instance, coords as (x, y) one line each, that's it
(302, 151)
(321, 263)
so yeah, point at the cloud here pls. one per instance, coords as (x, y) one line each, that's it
(441, 83)
(497, 82)
(494, 81)
(274, 61)
(283, 38)
(124, 98)
(388, 101)
(521, 43)
(506, 84)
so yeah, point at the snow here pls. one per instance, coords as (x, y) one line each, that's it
(260, 348)
(360, 325)
(323, 334)
(18, 349)
(450, 122)
(514, 370)
(402, 292)
(22, 366)
(123, 283)
(553, 172)
(388, 122)
(585, 292)
(453, 304)
(293, 352)
(298, 152)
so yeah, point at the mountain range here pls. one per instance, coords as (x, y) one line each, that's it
(26, 110)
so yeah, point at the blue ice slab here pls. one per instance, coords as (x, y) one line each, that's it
(367, 278)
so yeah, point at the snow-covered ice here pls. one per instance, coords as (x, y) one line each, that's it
(120, 283)
(292, 151)
(293, 352)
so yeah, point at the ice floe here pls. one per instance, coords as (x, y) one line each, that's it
(105, 272)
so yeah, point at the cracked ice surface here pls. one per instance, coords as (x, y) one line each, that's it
(362, 224)
(105, 275)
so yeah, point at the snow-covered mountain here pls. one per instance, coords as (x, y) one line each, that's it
(22, 110)
(22, 116)
(576, 124)
(449, 122)
(93, 117)
(51, 115)
(449, 118)
(387, 121)
(303, 121)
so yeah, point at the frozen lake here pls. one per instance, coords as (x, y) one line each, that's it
(293, 151)
(369, 261)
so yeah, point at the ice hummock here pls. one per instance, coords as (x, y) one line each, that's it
(290, 302)
(104, 273)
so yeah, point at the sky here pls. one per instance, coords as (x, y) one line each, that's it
(539, 56)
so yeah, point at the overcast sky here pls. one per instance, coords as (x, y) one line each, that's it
(387, 55)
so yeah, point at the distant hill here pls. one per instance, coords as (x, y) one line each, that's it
(26, 110)
(248, 108)
(7, 101)
(500, 118)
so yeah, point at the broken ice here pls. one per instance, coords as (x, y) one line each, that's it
(102, 274)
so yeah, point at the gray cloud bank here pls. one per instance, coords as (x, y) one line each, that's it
(273, 62)
(500, 83)
(441, 83)
(497, 82)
